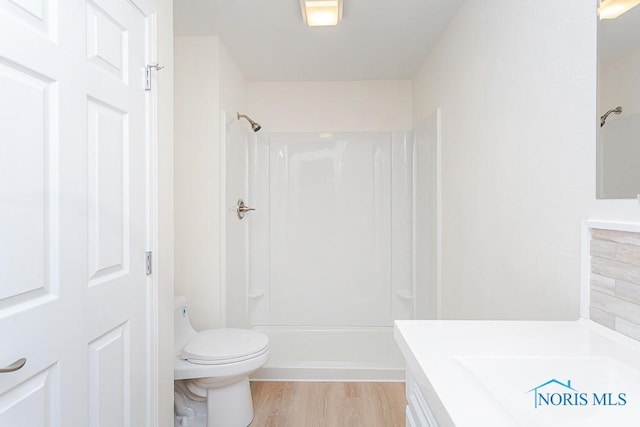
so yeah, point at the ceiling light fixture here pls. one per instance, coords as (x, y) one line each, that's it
(321, 13)
(611, 9)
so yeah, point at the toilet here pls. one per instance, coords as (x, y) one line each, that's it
(211, 372)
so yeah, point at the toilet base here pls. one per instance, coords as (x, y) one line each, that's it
(197, 417)
(230, 406)
(225, 406)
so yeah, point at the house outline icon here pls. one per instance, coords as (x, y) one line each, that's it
(551, 381)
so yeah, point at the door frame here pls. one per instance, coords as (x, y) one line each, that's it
(152, 210)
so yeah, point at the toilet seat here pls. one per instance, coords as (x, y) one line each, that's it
(223, 346)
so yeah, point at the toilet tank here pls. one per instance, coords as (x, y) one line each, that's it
(182, 329)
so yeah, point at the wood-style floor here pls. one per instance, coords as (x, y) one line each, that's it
(303, 404)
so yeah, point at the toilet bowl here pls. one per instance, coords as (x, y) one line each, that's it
(211, 372)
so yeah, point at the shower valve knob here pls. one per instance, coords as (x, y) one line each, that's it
(242, 209)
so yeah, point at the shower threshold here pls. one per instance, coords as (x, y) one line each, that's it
(331, 354)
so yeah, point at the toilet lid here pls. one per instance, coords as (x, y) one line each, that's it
(219, 345)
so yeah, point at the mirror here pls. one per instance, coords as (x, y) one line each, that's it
(618, 127)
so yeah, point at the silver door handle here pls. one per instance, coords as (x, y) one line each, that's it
(242, 209)
(14, 366)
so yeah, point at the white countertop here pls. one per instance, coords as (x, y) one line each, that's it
(477, 373)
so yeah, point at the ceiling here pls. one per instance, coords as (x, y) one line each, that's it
(377, 39)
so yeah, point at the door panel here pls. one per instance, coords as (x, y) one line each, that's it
(109, 371)
(32, 402)
(35, 13)
(107, 43)
(28, 227)
(108, 182)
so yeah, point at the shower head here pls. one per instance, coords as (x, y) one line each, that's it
(603, 118)
(254, 126)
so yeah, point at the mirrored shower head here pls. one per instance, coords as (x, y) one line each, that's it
(603, 118)
(254, 126)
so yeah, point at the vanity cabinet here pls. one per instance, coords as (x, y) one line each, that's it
(419, 413)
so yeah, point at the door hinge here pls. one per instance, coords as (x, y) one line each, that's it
(147, 75)
(148, 264)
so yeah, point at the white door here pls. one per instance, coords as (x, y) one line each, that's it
(73, 213)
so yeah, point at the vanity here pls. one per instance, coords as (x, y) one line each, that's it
(537, 373)
(511, 373)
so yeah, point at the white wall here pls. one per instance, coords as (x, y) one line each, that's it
(376, 105)
(196, 177)
(516, 83)
(234, 282)
(232, 83)
(207, 82)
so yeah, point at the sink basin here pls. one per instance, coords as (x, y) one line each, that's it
(560, 391)
(523, 373)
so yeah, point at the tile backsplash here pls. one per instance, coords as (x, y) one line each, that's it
(615, 280)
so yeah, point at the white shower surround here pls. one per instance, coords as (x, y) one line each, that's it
(330, 252)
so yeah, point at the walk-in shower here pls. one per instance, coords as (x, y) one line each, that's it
(328, 262)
